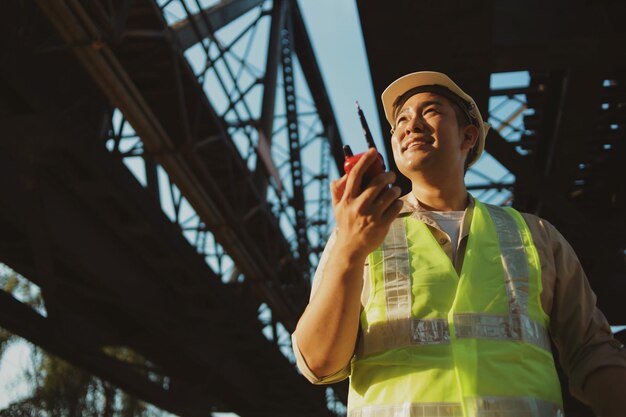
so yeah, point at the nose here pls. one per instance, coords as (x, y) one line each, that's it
(414, 124)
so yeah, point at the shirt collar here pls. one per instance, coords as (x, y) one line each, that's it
(411, 204)
(412, 207)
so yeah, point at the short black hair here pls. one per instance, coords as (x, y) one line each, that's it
(462, 121)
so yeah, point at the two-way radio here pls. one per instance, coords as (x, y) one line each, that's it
(378, 167)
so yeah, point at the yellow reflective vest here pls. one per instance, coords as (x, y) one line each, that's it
(438, 343)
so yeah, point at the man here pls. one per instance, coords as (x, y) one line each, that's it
(438, 305)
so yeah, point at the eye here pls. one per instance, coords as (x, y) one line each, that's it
(401, 119)
(431, 110)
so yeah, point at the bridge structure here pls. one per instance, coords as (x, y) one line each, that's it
(164, 167)
(168, 194)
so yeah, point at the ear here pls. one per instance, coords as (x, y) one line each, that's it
(470, 136)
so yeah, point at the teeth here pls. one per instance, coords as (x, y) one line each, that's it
(412, 144)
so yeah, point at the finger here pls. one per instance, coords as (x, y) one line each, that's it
(386, 199)
(337, 189)
(392, 212)
(379, 184)
(353, 186)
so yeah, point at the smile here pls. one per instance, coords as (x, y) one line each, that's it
(416, 143)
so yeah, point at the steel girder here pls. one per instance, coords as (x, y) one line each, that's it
(169, 138)
(213, 184)
(138, 65)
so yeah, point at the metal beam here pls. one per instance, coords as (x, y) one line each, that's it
(293, 139)
(266, 123)
(580, 100)
(602, 49)
(543, 186)
(194, 29)
(24, 321)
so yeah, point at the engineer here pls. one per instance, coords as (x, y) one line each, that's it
(435, 304)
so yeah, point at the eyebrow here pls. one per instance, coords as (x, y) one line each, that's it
(422, 105)
(430, 103)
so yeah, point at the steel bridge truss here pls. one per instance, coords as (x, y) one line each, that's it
(220, 113)
(283, 145)
(271, 118)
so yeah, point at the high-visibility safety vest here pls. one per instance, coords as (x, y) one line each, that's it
(436, 343)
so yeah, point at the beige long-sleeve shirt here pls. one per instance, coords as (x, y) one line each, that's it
(579, 330)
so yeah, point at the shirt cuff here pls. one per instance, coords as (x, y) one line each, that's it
(308, 374)
(611, 354)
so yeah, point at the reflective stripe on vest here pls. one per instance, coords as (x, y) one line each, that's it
(436, 331)
(443, 343)
(397, 279)
(514, 259)
(484, 406)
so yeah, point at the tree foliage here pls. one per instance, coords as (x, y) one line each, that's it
(57, 388)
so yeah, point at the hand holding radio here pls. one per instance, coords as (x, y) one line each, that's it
(364, 201)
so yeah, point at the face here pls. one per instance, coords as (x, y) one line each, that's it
(427, 137)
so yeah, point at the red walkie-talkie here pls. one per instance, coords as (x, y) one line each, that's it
(378, 167)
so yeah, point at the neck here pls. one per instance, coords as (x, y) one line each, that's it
(451, 196)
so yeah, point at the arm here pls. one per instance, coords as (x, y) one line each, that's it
(594, 361)
(605, 390)
(328, 328)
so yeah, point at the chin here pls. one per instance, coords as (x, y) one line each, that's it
(413, 162)
(407, 168)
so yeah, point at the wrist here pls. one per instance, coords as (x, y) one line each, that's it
(350, 250)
